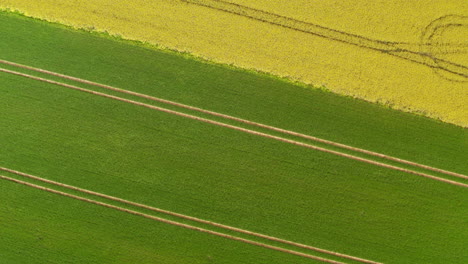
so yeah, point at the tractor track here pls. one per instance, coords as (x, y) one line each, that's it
(181, 216)
(237, 119)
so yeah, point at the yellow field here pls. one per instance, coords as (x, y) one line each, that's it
(410, 55)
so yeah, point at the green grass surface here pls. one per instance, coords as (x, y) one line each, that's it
(39, 227)
(215, 173)
(234, 92)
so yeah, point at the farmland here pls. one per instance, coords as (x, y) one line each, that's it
(38, 227)
(395, 60)
(208, 171)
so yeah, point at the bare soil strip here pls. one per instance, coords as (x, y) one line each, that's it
(245, 130)
(248, 122)
(186, 217)
(292, 252)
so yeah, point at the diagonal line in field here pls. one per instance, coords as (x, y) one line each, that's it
(248, 122)
(385, 47)
(186, 217)
(245, 130)
(171, 222)
(203, 230)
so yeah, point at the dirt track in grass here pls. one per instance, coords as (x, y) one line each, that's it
(194, 219)
(245, 130)
(244, 121)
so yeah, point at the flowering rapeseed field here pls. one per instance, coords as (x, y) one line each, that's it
(404, 54)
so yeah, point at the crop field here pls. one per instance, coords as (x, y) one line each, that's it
(113, 152)
(407, 55)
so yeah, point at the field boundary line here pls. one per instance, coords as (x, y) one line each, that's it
(245, 130)
(186, 217)
(166, 221)
(240, 120)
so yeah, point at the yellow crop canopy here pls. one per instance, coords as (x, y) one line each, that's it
(409, 55)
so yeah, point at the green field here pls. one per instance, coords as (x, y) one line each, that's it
(38, 227)
(207, 171)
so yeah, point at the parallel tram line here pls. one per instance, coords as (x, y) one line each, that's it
(240, 120)
(248, 122)
(166, 221)
(241, 129)
(186, 217)
(218, 124)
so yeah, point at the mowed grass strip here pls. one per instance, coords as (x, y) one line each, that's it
(228, 177)
(234, 92)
